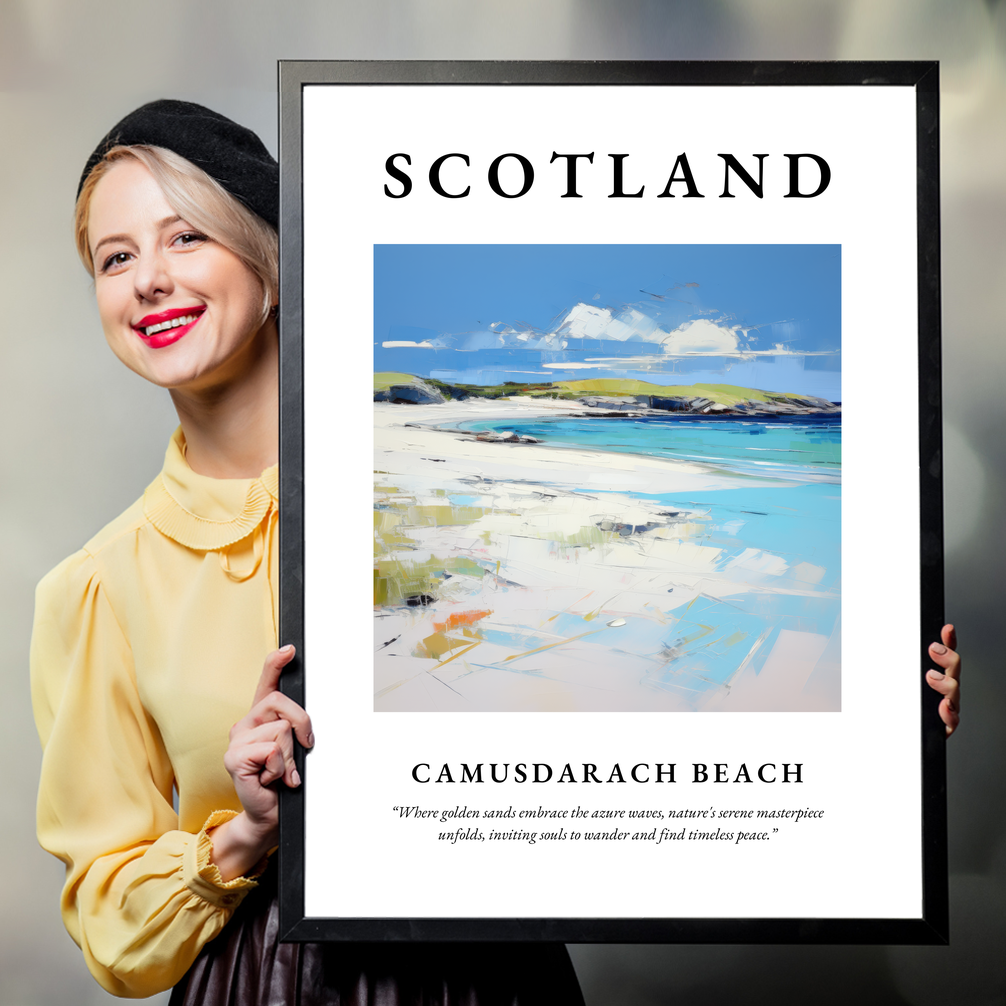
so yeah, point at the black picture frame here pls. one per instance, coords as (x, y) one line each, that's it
(931, 926)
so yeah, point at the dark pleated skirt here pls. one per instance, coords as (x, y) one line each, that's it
(246, 965)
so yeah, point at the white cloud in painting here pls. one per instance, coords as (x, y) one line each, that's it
(704, 337)
(701, 337)
(697, 337)
(585, 321)
(654, 361)
(541, 340)
(573, 365)
(408, 344)
(501, 336)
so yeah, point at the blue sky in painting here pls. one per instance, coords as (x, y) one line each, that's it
(762, 316)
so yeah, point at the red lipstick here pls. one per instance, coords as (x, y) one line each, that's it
(166, 327)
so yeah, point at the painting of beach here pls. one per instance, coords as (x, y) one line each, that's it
(607, 478)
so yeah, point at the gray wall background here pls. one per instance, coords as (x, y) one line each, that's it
(82, 436)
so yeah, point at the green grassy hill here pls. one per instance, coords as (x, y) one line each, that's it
(723, 394)
(389, 377)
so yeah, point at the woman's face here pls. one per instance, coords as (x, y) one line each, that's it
(177, 308)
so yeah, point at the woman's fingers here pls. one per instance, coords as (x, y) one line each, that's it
(949, 711)
(260, 761)
(271, 671)
(261, 749)
(277, 706)
(949, 636)
(258, 765)
(948, 658)
(274, 766)
(277, 736)
(947, 680)
(270, 703)
(949, 688)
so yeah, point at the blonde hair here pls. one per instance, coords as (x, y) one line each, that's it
(199, 200)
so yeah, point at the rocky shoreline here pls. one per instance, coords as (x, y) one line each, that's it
(641, 405)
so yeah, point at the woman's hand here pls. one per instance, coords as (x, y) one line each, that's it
(948, 681)
(260, 753)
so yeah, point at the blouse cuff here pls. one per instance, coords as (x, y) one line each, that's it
(202, 876)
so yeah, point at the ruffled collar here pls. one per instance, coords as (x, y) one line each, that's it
(203, 513)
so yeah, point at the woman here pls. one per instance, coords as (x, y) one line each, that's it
(148, 643)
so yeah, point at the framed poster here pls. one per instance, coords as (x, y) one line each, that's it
(611, 501)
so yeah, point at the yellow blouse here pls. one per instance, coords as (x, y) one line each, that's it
(147, 647)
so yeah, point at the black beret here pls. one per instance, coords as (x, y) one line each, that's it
(231, 154)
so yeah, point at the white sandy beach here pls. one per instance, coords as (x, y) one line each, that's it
(522, 576)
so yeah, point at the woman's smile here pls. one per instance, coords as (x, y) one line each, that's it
(167, 327)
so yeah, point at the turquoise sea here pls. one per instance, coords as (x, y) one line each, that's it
(804, 447)
(791, 510)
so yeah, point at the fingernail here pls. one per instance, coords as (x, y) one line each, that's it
(295, 777)
(286, 649)
(936, 676)
(310, 740)
(938, 648)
